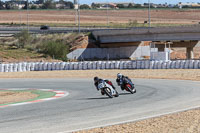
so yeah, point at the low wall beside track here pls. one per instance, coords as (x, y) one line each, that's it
(88, 65)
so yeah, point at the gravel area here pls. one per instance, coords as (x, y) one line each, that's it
(183, 122)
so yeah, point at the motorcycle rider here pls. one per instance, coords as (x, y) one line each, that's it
(98, 80)
(122, 80)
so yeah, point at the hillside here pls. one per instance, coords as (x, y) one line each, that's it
(48, 47)
(55, 47)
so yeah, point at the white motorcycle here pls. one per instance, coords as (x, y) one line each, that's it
(107, 89)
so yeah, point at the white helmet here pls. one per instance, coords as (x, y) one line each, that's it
(119, 75)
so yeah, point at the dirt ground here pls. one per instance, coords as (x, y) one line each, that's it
(100, 16)
(183, 122)
(179, 74)
(13, 97)
(180, 53)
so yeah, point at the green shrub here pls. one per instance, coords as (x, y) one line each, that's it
(55, 49)
(24, 38)
(132, 23)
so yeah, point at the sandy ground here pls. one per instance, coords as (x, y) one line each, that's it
(100, 16)
(179, 74)
(183, 122)
(12, 97)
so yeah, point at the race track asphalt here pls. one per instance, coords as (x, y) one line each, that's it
(84, 107)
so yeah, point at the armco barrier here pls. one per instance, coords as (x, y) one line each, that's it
(88, 65)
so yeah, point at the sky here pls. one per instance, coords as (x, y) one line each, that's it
(139, 1)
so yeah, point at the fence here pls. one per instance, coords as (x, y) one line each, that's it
(88, 65)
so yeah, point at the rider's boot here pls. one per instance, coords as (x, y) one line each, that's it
(122, 87)
(113, 87)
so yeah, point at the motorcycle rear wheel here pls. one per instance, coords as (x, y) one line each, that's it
(129, 88)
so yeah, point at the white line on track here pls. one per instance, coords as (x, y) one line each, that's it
(135, 120)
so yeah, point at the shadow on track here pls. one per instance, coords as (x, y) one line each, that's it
(96, 98)
(93, 98)
(128, 93)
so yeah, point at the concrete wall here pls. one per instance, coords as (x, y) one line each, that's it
(164, 56)
(149, 37)
(146, 30)
(87, 65)
(198, 44)
(110, 53)
(148, 34)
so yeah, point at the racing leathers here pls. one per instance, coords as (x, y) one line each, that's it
(107, 81)
(123, 80)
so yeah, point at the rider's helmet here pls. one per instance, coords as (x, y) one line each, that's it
(119, 75)
(96, 79)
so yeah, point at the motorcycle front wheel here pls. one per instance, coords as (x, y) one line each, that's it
(117, 94)
(108, 92)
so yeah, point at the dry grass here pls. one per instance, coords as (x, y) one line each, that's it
(10, 53)
(13, 97)
(94, 17)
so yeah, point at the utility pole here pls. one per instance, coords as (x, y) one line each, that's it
(76, 16)
(79, 30)
(76, 9)
(19, 9)
(149, 13)
(107, 14)
(27, 15)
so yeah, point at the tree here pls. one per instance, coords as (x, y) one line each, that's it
(84, 6)
(95, 6)
(8, 5)
(40, 1)
(61, 1)
(69, 4)
(2, 5)
(33, 7)
(137, 6)
(120, 6)
(130, 5)
(26, 5)
(49, 4)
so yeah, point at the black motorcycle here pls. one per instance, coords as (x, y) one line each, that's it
(128, 86)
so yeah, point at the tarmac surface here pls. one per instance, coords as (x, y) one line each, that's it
(84, 107)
